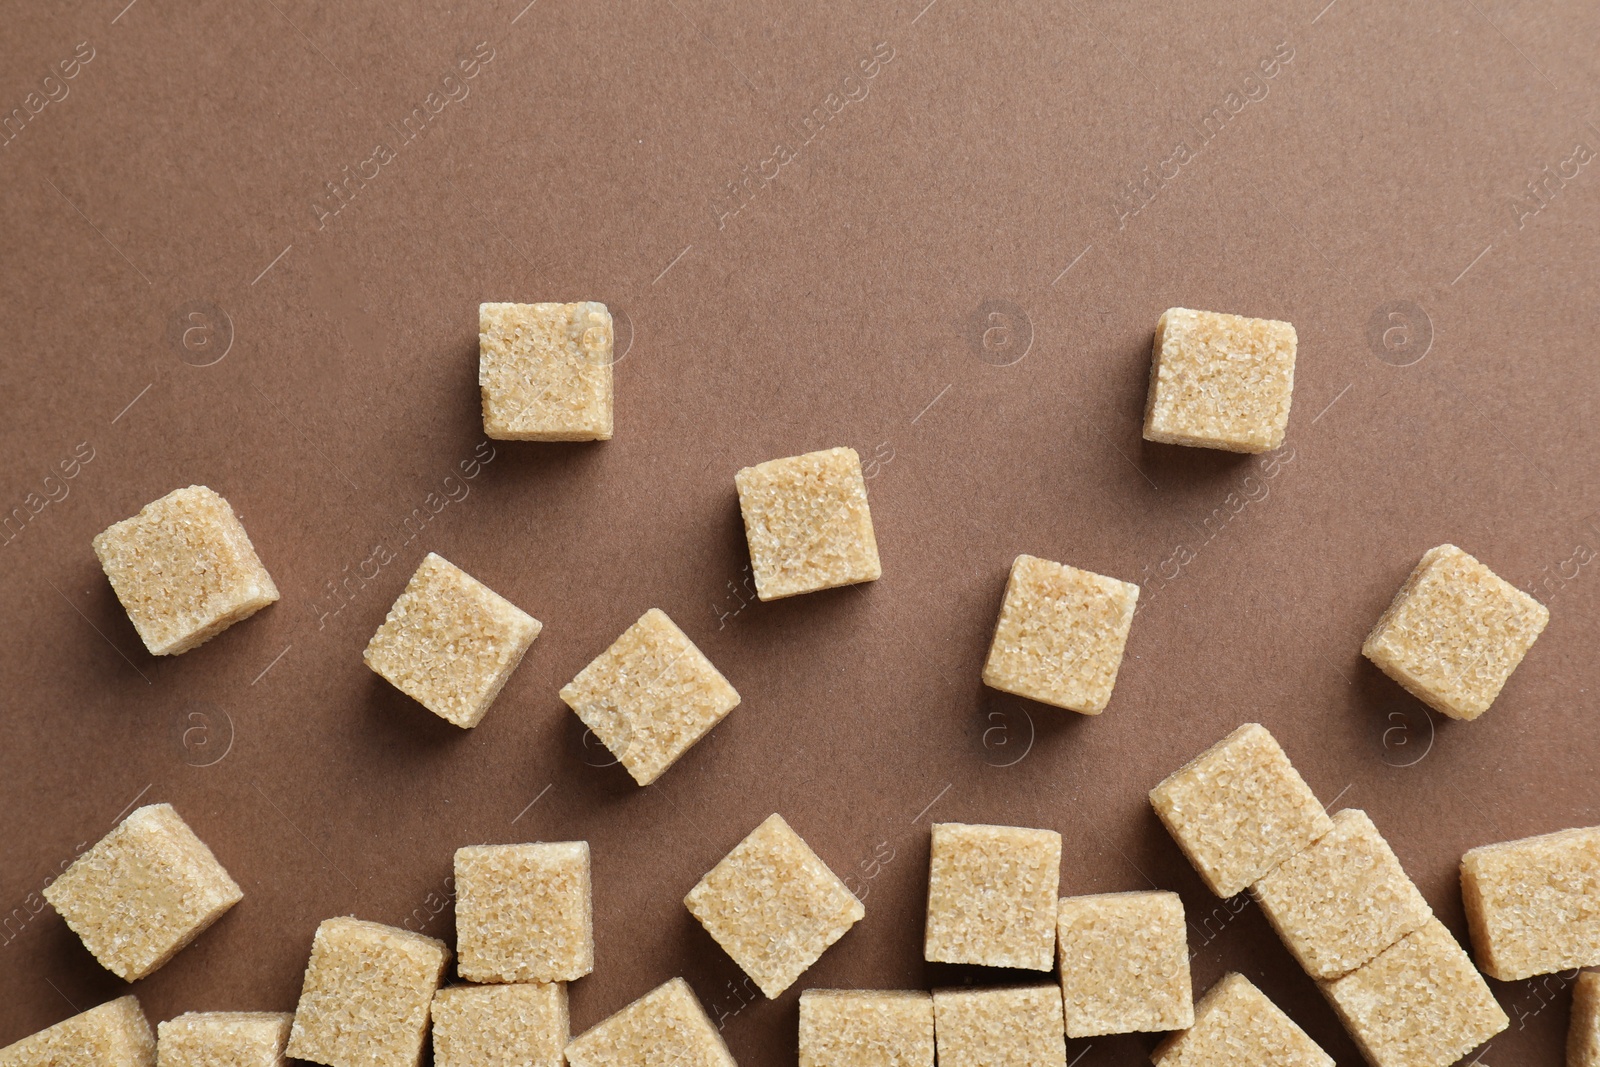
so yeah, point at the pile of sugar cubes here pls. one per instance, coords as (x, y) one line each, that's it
(1112, 963)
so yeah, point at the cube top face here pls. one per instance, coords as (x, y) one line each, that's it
(1236, 1024)
(1220, 381)
(1341, 900)
(650, 696)
(1018, 1026)
(184, 570)
(545, 371)
(450, 642)
(1533, 906)
(1454, 633)
(773, 905)
(992, 896)
(666, 1026)
(1420, 1003)
(866, 1028)
(114, 1034)
(1239, 809)
(524, 913)
(146, 890)
(1124, 964)
(223, 1039)
(365, 999)
(523, 1025)
(807, 523)
(1060, 636)
(1583, 1033)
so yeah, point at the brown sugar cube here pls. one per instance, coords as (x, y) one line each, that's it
(184, 569)
(545, 371)
(524, 913)
(1235, 1025)
(1220, 381)
(773, 905)
(866, 1028)
(807, 523)
(146, 890)
(365, 999)
(1419, 1003)
(666, 1027)
(115, 1034)
(1239, 809)
(450, 642)
(1017, 1026)
(1124, 964)
(1341, 900)
(1533, 906)
(1060, 635)
(223, 1039)
(650, 696)
(521, 1025)
(1454, 633)
(992, 896)
(1583, 1033)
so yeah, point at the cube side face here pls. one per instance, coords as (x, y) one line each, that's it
(544, 371)
(113, 1034)
(1019, 1026)
(524, 913)
(523, 1025)
(1124, 964)
(665, 1026)
(807, 523)
(1583, 1033)
(223, 1039)
(862, 1028)
(1235, 1023)
(1220, 381)
(1533, 906)
(992, 896)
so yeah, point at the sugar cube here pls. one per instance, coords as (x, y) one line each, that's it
(115, 1034)
(523, 1025)
(223, 1039)
(1533, 906)
(1583, 1032)
(666, 1026)
(866, 1028)
(1124, 963)
(1015, 1026)
(992, 896)
(524, 913)
(1220, 381)
(1236, 1025)
(545, 371)
(807, 523)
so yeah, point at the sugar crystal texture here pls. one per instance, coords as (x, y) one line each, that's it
(1235, 1025)
(523, 1025)
(666, 1027)
(1124, 963)
(223, 1039)
(115, 1034)
(545, 371)
(1015, 1026)
(1220, 381)
(866, 1028)
(807, 523)
(1533, 906)
(524, 913)
(1583, 1032)
(992, 896)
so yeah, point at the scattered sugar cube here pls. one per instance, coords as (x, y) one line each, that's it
(521, 1025)
(184, 569)
(115, 1034)
(366, 995)
(1236, 1025)
(866, 1028)
(666, 1026)
(1220, 381)
(223, 1039)
(1124, 964)
(773, 905)
(1533, 906)
(1419, 1003)
(524, 913)
(1016, 1026)
(992, 896)
(1060, 636)
(1583, 1033)
(146, 890)
(1341, 900)
(1454, 633)
(650, 696)
(1239, 809)
(807, 523)
(545, 371)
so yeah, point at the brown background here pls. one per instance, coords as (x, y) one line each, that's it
(849, 302)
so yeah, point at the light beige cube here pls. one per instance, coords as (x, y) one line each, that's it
(1420, 1003)
(773, 905)
(223, 1039)
(1235, 1025)
(1239, 809)
(1220, 381)
(866, 1028)
(146, 890)
(184, 569)
(1341, 900)
(650, 696)
(524, 913)
(366, 995)
(1016, 1026)
(1533, 906)
(992, 896)
(115, 1034)
(807, 523)
(1583, 1032)
(1124, 963)
(523, 1025)
(666, 1027)
(1454, 633)
(545, 371)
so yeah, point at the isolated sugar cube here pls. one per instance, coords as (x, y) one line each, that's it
(115, 1034)
(524, 913)
(366, 994)
(1060, 635)
(807, 523)
(1235, 1025)
(545, 371)
(1341, 900)
(1124, 963)
(992, 896)
(1220, 381)
(1015, 1026)
(650, 696)
(1583, 1032)
(666, 1027)
(1533, 906)
(223, 1039)
(146, 890)
(184, 569)
(522, 1025)
(1239, 809)
(866, 1028)
(773, 905)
